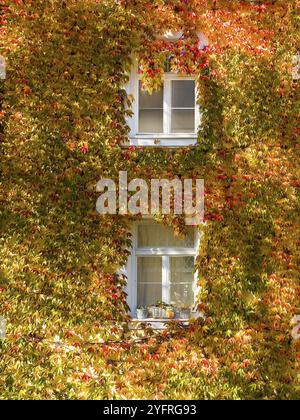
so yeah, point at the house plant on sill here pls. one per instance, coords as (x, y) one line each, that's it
(158, 310)
(142, 312)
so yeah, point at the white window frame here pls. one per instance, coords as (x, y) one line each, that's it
(2, 68)
(296, 67)
(166, 139)
(165, 253)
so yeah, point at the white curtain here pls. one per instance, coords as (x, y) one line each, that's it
(151, 111)
(156, 236)
(149, 278)
(183, 106)
(181, 279)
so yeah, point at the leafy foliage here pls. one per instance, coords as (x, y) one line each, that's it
(63, 122)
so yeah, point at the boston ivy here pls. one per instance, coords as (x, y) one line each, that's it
(63, 122)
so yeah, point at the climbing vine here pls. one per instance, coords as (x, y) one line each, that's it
(63, 121)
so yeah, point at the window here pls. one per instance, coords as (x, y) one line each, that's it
(168, 117)
(2, 68)
(296, 67)
(161, 267)
(168, 111)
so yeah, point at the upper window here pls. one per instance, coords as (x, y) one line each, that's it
(168, 117)
(170, 110)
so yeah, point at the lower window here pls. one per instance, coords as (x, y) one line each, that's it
(161, 271)
(166, 279)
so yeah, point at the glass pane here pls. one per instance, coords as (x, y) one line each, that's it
(156, 236)
(149, 279)
(151, 121)
(183, 121)
(147, 101)
(182, 279)
(149, 269)
(181, 295)
(183, 94)
(182, 269)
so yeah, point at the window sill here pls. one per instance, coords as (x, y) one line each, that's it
(167, 320)
(156, 323)
(163, 141)
(184, 252)
(162, 323)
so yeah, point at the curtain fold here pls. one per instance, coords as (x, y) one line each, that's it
(149, 278)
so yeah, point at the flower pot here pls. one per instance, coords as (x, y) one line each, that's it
(142, 313)
(185, 314)
(157, 312)
(151, 311)
(170, 313)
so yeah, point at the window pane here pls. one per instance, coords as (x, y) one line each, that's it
(181, 295)
(182, 279)
(149, 279)
(147, 101)
(151, 121)
(183, 121)
(156, 236)
(183, 93)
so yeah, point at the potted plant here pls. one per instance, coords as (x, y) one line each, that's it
(170, 312)
(162, 309)
(185, 312)
(142, 312)
(158, 310)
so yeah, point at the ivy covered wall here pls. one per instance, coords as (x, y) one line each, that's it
(63, 122)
